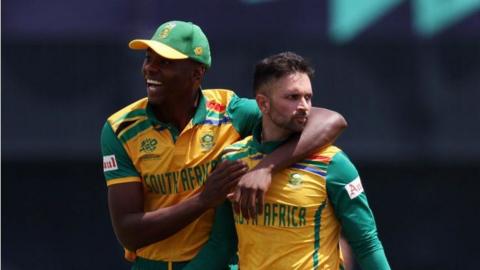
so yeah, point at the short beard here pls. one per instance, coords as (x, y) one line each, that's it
(289, 125)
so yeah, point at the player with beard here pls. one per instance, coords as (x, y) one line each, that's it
(160, 156)
(310, 203)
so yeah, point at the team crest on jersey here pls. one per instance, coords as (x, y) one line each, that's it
(295, 180)
(148, 145)
(166, 31)
(207, 141)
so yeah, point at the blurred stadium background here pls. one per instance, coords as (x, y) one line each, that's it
(405, 74)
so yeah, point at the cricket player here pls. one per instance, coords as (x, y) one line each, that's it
(161, 153)
(309, 203)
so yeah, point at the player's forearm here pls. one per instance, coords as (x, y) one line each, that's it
(374, 261)
(221, 245)
(136, 230)
(322, 128)
(367, 248)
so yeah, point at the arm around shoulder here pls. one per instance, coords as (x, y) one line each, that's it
(322, 129)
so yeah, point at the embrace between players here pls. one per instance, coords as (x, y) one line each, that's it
(172, 158)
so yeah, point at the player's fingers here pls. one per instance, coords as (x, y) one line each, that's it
(220, 169)
(244, 203)
(236, 208)
(237, 173)
(231, 184)
(252, 204)
(236, 195)
(260, 200)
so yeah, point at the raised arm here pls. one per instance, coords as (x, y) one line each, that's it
(322, 128)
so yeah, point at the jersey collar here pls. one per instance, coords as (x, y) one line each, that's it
(266, 147)
(201, 111)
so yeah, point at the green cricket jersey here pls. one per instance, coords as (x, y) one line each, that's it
(306, 207)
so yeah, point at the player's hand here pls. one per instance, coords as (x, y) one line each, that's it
(249, 195)
(221, 181)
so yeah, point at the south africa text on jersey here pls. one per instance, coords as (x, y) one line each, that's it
(178, 181)
(278, 215)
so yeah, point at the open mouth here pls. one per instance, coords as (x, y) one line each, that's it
(153, 82)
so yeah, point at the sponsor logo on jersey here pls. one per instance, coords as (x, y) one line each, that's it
(354, 188)
(148, 145)
(109, 163)
(295, 180)
(207, 141)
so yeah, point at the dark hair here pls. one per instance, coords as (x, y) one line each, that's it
(279, 65)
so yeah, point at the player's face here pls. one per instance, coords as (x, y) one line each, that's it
(167, 80)
(289, 101)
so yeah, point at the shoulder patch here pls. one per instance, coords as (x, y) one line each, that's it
(109, 163)
(354, 188)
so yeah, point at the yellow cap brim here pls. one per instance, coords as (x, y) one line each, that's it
(158, 47)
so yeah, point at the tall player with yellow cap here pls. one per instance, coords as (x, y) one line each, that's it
(160, 155)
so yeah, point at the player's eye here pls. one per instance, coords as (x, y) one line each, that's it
(165, 62)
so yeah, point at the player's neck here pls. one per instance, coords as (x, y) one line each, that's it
(177, 112)
(273, 133)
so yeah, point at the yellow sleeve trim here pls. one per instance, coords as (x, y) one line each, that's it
(130, 179)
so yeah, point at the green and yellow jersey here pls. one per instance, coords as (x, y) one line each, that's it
(306, 207)
(172, 165)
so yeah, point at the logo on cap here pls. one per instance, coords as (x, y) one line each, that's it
(166, 31)
(198, 50)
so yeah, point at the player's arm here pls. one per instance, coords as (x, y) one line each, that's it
(135, 227)
(348, 259)
(322, 128)
(222, 243)
(351, 207)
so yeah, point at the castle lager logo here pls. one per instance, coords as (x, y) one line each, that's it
(148, 145)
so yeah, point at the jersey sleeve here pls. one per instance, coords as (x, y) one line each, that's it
(244, 114)
(221, 246)
(351, 207)
(117, 165)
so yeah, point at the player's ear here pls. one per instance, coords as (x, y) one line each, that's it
(263, 103)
